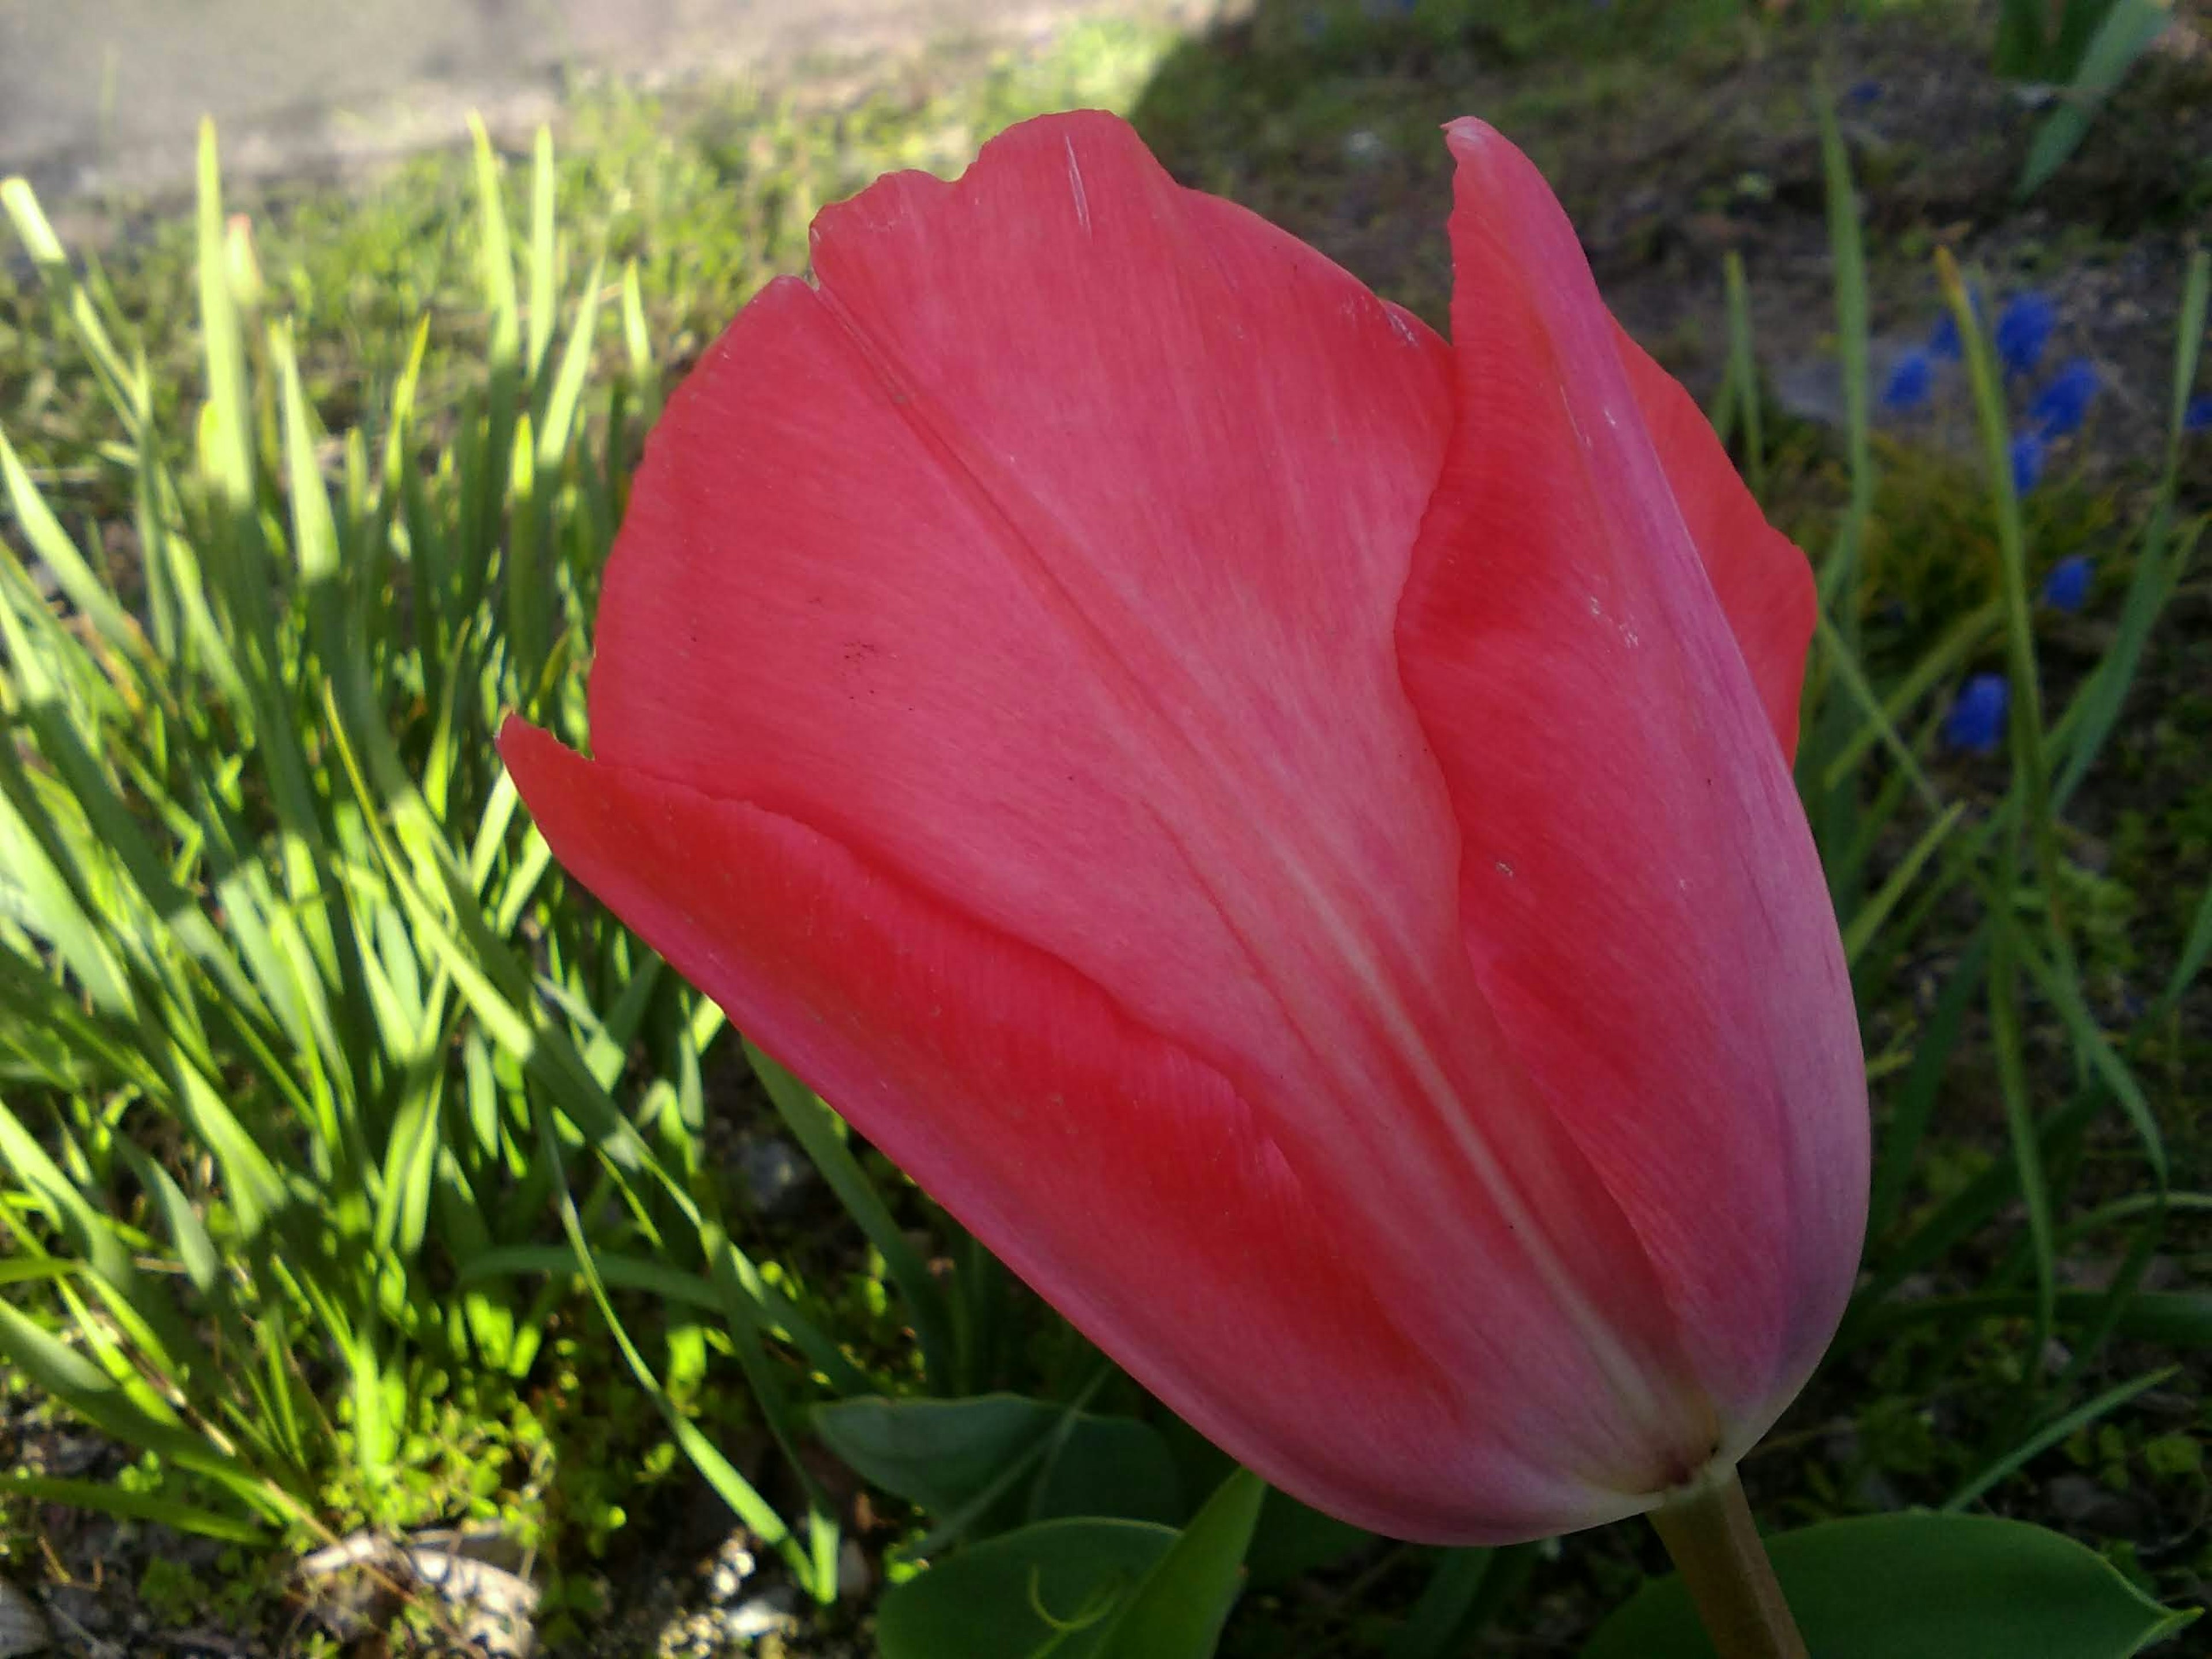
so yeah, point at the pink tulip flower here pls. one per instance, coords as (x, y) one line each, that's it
(1281, 824)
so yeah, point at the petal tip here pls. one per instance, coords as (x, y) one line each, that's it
(514, 731)
(1471, 134)
(531, 754)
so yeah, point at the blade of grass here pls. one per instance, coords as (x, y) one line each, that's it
(86, 589)
(2128, 28)
(107, 1499)
(2097, 706)
(1843, 659)
(1965, 638)
(817, 1129)
(2031, 756)
(2005, 1036)
(2044, 1438)
(637, 350)
(1915, 1103)
(2089, 1040)
(1846, 251)
(228, 420)
(1743, 374)
(544, 275)
(732, 1488)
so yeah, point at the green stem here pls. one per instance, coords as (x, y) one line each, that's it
(1708, 1530)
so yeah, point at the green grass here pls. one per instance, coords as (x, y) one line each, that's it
(360, 1173)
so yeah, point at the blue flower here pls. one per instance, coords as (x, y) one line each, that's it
(1911, 380)
(2027, 462)
(2023, 330)
(1862, 93)
(2068, 585)
(1976, 722)
(2199, 415)
(1944, 343)
(2058, 408)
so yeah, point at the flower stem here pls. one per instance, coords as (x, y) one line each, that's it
(1708, 1532)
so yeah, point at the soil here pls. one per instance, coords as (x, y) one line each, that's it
(1666, 166)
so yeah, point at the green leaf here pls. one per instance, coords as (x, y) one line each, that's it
(1294, 1539)
(1921, 1586)
(87, 589)
(2126, 34)
(1110, 1466)
(111, 1499)
(226, 421)
(1049, 1590)
(940, 1454)
(2052, 1434)
(1437, 1627)
(820, 1134)
(543, 274)
(954, 1457)
(1180, 1608)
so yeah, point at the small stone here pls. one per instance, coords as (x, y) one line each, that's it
(853, 1575)
(774, 1173)
(1362, 148)
(766, 1613)
(2082, 1500)
(23, 1627)
(81, 1608)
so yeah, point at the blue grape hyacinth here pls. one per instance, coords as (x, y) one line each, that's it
(1944, 343)
(2066, 589)
(1911, 380)
(1976, 722)
(2027, 462)
(2058, 409)
(2023, 330)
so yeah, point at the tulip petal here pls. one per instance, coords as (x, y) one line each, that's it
(1639, 892)
(1044, 552)
(1046, 560)
(1758, 574)
(1095, 1157)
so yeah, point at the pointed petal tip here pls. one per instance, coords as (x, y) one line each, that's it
(515, 733)
(533, 757)
(1476, 144)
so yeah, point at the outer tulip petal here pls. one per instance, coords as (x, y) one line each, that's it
(1640, 893)
(1758, 574)
(1096, 1157)
(1094, 494)
(1046, 560)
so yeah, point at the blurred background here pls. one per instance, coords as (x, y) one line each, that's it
(394, 1257)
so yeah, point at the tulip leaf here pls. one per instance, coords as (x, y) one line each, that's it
(1291, 1540)
(1921, 1586)
(1177, 1613)
(965, 1457)
(1435, 1626)
(1110, 1466)
(1052, 1588)
(1294, 1539)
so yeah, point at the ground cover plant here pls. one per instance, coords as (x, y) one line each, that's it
(301, 1018)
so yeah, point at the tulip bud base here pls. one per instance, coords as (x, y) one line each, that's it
(1708, 1530)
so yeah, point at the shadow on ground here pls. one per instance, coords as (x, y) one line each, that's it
(1677, 131)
